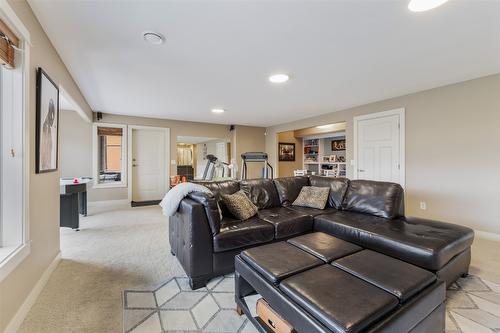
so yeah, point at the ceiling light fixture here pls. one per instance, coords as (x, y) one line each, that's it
(279, 78)
(423, 5)
(218, 110)
(153, 38)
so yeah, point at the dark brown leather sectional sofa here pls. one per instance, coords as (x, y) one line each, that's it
(367, 213)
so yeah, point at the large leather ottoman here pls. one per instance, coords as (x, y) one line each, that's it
(319, 283)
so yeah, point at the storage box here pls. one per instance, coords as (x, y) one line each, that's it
(272, 319)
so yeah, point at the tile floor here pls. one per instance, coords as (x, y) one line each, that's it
(473, 306)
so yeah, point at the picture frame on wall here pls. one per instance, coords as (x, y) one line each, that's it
(338, 145)
(286, 152)
(47, 123)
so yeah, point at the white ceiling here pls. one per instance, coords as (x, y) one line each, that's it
(219, 54)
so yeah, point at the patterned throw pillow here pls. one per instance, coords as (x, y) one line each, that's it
(313, 197)
(239, 205)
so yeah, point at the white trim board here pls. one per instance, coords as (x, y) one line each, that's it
(109, 202)
(129, 153)
(8, 15)
(24, 309)
(14, 258)
(487, 235)
(95, 157)
(402, 139)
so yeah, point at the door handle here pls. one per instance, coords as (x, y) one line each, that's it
(360, 170)
(134, 165)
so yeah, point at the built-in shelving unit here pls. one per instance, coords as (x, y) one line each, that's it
(321, 158)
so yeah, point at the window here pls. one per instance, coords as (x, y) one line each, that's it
(110, 155)
(14, 245)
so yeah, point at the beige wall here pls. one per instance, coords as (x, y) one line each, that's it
(244, 138)
(249, 139)
(75, 145)
(286, 168)
(43, 188)
(452, 149)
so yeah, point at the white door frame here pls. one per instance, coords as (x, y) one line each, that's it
(129, 159)
(402, 125)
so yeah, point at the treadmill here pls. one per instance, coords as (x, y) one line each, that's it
(256, 157)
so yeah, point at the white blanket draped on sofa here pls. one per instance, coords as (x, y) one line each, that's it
(172, 199)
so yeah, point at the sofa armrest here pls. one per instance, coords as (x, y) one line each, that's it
(209, 203)
(191, 238)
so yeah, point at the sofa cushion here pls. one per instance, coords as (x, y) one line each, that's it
(425, 243)
(261, 192)
(219, 188)
(289, 188)
(278, 261)
(394, 276)
(312, 197)
(312, 211)
(235, 234)
(381, 199)
(338, 188)
(287, 222)
(339, 300)
(324, 246)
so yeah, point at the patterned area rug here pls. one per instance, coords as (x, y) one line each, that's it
(473, 306)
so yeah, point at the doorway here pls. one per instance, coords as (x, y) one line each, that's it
(149, 170)
(194, 162)
(379, 146)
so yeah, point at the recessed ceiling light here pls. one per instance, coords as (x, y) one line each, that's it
(218, 110)
(279, 78)
(324, 126)
(153, 38)
(423, 5)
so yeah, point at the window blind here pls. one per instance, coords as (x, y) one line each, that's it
(109, 131)
(8, 41)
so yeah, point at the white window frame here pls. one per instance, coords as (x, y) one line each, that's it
(12, 256)
(95, 153)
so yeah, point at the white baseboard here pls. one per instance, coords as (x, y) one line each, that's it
(487, 235)
(109, 202)
(23, 311)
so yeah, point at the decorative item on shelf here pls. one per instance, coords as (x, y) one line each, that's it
(300, 172)
(309, 159)
(330, 173)
(338, 144)
(286, 152)
(47, 123)
(341, 159)
(333, 158)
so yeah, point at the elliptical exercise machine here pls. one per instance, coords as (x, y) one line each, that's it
(256, 157)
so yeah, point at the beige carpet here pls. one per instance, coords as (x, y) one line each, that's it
(117, 248)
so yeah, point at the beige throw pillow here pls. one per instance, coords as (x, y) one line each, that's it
(239, 205)
(313, 197)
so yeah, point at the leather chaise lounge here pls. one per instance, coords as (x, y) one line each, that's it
(366, 213)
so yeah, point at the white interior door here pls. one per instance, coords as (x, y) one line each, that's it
(149, 173)
(379, 150)
(221, 151)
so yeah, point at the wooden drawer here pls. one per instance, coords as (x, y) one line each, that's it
(273, 321)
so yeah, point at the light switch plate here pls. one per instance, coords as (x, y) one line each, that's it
(173, 162)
